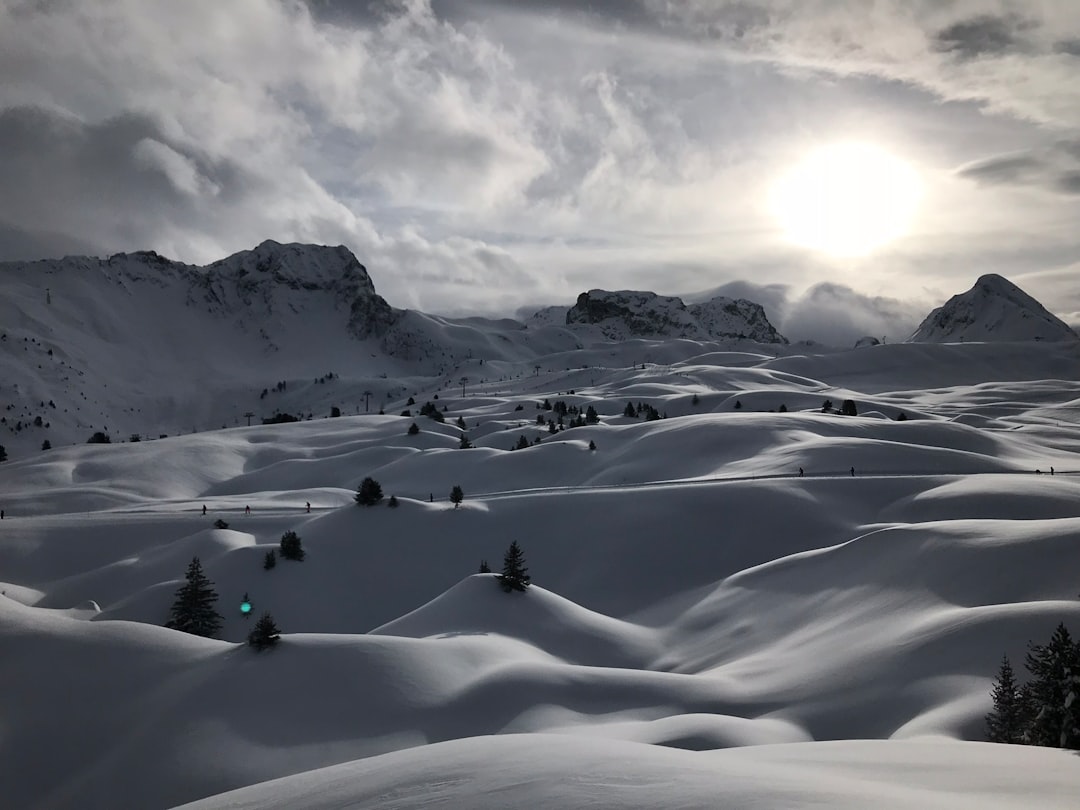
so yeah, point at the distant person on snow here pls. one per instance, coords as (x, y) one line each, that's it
(204, 508)
(1051, 470)
(852, 472)
(800, 472)
(1, 514)
(247, 510)
(309, 507)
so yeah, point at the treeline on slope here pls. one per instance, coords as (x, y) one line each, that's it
(1046, 709)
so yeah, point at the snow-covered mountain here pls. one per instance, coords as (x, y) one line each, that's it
(137, 344)
(628, 313)
(707, 624)
(994, 309)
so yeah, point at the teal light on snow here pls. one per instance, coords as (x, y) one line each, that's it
(245, 607)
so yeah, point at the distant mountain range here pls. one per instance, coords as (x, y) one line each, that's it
(138, 343)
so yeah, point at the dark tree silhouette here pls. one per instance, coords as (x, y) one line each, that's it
(369, 493)
(484, 567)
(1053, 691)
(413, 429)
(292, 547)
(457, 495)
(193, 611)
(515, 576)
(393, 502)
(1005, 724)
(270, 560)
(220, 524)
(264, 634)
(847, 408)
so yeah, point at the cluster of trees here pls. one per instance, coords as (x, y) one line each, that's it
(431, 411)
(1045, 710)
(194, 611)
(642, 409)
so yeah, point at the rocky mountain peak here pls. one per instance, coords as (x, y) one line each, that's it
(994, 309)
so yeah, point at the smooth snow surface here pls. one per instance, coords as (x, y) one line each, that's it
(706, 627)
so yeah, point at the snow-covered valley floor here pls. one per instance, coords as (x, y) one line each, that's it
(706, 627)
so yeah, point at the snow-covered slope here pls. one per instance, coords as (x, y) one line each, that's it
(754, 600)
(994, 309)
(624, 314)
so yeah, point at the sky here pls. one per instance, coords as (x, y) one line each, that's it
(495, 156)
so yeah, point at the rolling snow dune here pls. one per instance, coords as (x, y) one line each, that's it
(552, 771)
(691, 590)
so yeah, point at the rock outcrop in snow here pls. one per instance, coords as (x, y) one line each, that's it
(629, 314)
(996, 310)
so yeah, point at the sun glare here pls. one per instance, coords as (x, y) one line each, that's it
(847, 199)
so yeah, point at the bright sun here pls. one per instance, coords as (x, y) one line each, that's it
(847, 199)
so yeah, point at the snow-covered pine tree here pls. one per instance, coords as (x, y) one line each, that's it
(264, 634)
(515, 576)
(193, 611)
(1052, 691)
(1005, 724)
(270, 560)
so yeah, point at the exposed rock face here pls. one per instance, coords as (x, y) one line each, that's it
(628, 314)
(259, 277)
(994, 309)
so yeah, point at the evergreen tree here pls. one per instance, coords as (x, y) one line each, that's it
(738, 405)
(193, 611)
(270, 560)
(45, 445)
(1005, 724)
(393, 502)
(464, 444)
(592, 444)
(591, 416)
(220, 524)
(847, 408)
(522, 443)
(413, 429)
(694, 400)
(515, 576)
(826, 406)
(3, 453)
(411, 401)
(264, 634)
(460, 423)
(630, 410)
(369, 493)
(484, 567)
(1054, 692)
(292, 547)
(782, 408)
(457, 495)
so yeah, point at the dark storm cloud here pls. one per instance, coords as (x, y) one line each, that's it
(1056, 168)
(984, 35)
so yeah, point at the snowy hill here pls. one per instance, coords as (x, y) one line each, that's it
(994, 309)
(625, 314)
(739, 594)
(139, 345)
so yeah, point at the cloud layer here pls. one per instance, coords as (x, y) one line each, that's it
(478, 156)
